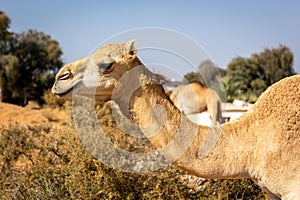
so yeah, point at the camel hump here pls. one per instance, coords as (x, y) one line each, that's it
(198, 83)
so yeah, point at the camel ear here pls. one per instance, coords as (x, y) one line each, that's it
(130, 49)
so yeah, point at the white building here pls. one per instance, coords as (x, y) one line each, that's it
(230, 111)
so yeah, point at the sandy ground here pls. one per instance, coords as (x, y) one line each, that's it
(31, 114)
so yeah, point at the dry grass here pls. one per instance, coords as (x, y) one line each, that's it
(45, 162)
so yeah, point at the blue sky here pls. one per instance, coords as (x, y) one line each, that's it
(225, 29)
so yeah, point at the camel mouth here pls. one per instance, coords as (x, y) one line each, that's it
(82, 90)
(64, 92)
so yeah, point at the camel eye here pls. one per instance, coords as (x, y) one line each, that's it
(65, 75)
(106, 67)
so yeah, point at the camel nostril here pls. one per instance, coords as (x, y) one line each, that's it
(107, 67)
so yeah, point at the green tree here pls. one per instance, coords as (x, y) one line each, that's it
(5, 38)
(193, 77)
(10, 75)
(208, 74)
(243, 80)
(28, 63)
(247, 78)
(40, 59)
(5, 35)
(276, 63)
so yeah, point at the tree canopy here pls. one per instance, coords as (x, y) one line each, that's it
(247, 78)
(28, 63)
(5, 35)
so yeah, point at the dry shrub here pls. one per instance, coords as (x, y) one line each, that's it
(40, 162)
(54, 101)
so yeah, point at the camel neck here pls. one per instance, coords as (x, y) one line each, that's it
(201, 150)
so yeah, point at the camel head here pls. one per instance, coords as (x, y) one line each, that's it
(97, 75)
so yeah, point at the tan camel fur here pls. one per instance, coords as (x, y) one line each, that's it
(263, 144)
(195, 98)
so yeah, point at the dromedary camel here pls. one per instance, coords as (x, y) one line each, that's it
(263, 144)
(195, 98)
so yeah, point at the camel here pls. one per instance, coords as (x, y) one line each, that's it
(263, 144)
(195, 98)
